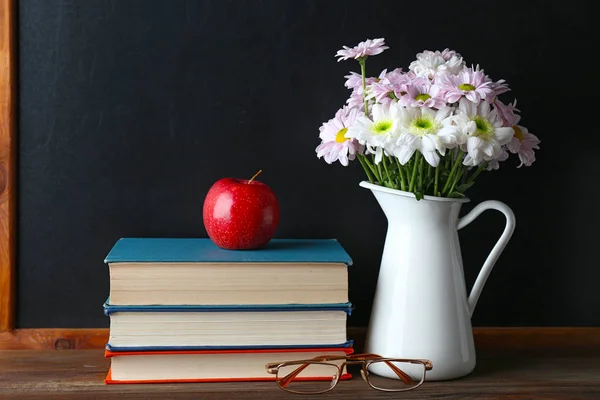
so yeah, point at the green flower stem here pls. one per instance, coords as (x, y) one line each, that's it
(421, 159)
(366, 167)
(380, 173)
(447, 160)
(437, 177)
(401, 172)
(411, 186)
(363, 72)
(457, 162)
(387, 172)
(456, 179)
(476, 173)
(373, 169)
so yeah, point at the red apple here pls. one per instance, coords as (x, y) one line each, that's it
(240, 214)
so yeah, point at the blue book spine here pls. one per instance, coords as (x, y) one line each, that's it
(109, 347)
(346, 307)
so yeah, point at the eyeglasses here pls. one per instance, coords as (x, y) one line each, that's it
(321, 374)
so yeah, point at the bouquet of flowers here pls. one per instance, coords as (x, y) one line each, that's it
(430, 130)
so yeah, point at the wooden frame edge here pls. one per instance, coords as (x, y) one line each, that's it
(8, 187)
(515, 338)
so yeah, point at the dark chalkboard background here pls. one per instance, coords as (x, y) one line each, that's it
(130, 110)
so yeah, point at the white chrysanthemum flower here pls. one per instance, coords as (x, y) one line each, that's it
(484, 131)
(379, 132)
(495, 163)
(430, 64)
(425, 130)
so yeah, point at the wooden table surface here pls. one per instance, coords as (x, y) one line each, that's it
(79, 374)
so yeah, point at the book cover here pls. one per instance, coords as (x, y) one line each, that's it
(140, 349)
(231, 320)
(198, 250)
(229, 360)
(173, 271)
(111, 309)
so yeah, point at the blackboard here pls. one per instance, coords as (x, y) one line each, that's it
(130, 110)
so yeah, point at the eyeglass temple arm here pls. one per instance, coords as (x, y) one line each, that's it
(401, 374)
(288, 378)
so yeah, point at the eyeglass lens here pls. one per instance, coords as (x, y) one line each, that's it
(382, 375)
(307, 378)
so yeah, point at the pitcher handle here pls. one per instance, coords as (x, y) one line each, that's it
(498, 247)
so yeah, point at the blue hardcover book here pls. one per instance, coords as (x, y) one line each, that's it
(152, 250)
(176, 271)
(157, 328)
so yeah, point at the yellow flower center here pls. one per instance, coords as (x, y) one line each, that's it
(485, 129)
(518, 133)
(339, 137)
(466, 87)
(382, 127)
(423, 97)
(423, 125)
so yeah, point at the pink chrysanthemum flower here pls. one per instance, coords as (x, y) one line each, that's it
(524, 143)
(469, 83)
(363, 49)
(401, 83)
(421, 93)
(508, 112)
(356, 100)
(353, 81)
(500, 87)
(335, 146)
(448, 54)
(390, 86)
(395, 76)
(382, 89)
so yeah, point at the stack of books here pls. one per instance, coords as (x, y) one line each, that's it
(185, 310)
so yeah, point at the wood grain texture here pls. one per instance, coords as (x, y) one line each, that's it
(538, 337)
(7, 165)
(485, 338)
(498, 375)
(53, 339)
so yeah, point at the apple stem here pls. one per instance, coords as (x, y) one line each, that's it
(255, 175)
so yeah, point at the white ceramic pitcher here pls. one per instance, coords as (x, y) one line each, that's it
(421, 308)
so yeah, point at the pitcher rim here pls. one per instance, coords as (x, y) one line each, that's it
(372, 186)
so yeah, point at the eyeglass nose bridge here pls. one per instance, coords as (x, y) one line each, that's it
(348, 362)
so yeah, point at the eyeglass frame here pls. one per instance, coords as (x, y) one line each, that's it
(365, 359)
